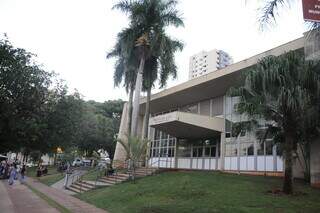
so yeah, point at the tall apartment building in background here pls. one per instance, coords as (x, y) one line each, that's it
(208, 61)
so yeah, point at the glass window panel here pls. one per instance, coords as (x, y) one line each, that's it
(164, 135)
(164, 143)
(171, 152)
(213, 151)
(228, 125)
(207, 152)
(157, 135)
(172, 142)
(234, 150)
(260, 148)
(184, 152)
(279, 150)
(200, 152)
(269, 145)
(250, 150)
(205, 108)
(217, 106)
(156, 143)
(155, 152)
(243, 149)
(194, 152)
(164, 152)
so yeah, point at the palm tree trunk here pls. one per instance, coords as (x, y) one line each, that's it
(147, 115)
(136, 104)
(130, 110)
(288, 178)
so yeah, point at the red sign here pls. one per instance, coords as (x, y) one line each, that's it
(311, 10)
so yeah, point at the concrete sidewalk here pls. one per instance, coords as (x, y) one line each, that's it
(19, 198)
(73, 204)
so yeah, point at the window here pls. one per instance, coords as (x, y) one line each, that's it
(269, 147)
(246, 148)
(213, 151)
(260, 148)
(231, 150)
(251, 150)
(197, 152)
(163, 147)
(184, 152)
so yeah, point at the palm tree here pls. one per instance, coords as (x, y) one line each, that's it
(135, 149)
(280, 90)
(161, 65)
(125, 66)
(269, 13)
(148, 18)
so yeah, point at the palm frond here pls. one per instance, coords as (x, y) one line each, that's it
(269, 12)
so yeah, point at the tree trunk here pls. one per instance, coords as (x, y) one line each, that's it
(136, 101)
(147, 115)
(288, 178)
(130, 110)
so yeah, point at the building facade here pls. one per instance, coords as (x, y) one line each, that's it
(208, 61)
(191, 126)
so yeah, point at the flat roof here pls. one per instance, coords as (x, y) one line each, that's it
(213, 84)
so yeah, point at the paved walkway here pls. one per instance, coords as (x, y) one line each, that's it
(73, 204)
(19, 198)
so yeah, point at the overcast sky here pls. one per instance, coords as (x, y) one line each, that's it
(72, 37)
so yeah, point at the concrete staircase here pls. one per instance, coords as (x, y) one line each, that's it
(81, 186)
(110, 180)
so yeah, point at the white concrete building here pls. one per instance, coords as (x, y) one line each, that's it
(191, 127)
(208, 61)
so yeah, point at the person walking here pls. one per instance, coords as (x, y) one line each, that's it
(22, 173)
(13, 173)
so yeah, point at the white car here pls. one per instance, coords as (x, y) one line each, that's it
(86, 162)
(77, 162)
(103, 163)
(30, 164)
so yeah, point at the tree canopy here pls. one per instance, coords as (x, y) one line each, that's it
(39, 114)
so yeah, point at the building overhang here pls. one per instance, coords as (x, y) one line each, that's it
(213, 84)
(188, 125)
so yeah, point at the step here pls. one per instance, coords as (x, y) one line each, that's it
(87, 183)
(74, 190)
(109, 181)
(82, 189)
(143, 173)
(122, 175)
(118, 178)
(84, 185)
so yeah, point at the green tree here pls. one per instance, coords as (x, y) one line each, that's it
(281, 90)
(148, 21)
(23, 92)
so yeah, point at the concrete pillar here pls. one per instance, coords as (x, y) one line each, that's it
(222, 150)
(120, 153)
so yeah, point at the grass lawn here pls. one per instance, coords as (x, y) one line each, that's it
(52, 177)
(199, 192)
(92, 174)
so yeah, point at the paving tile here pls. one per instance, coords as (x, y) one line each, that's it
(71, 203)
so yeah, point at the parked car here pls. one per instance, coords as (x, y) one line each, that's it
(30, 164)
(103, 163)
(77, 162)
(86, 162)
